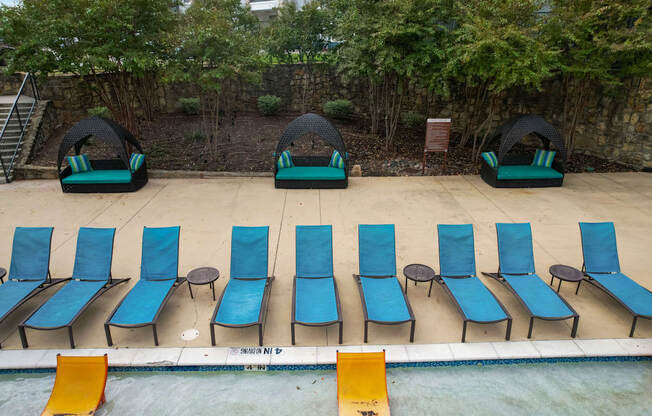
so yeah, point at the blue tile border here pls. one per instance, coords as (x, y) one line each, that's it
(332, 367)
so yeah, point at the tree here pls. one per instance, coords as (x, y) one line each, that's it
(392, 44)
(217, 43)
(114, 45)
(301, 34)
(602, 44)
(497, 46)
(298, 33)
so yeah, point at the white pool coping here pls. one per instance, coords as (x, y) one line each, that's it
(306, 356)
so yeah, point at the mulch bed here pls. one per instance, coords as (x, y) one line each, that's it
(175, 142)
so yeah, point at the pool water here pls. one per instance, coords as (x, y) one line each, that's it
(582, 388)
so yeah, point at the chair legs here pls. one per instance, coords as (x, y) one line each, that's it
(529, 332)
(631, 333)
(412, 327)
(366, 330)
(341, 331)
(260, 335)
(576, 321)
(155, 335)
(72, 340)
(508, 332)
(212, 334)
(509, 329)
(107, 331)
(23, 336)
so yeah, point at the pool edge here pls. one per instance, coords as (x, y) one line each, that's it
(323, 358)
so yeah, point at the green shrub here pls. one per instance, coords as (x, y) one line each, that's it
(269, 105)
(342, 109)
(413, 120)
(99, 111)
(190, 105)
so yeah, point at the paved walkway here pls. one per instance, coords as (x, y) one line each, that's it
(207, 208)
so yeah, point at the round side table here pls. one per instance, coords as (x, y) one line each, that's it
(3, 272)
(565, 273)
(418, 273)
(203, 276)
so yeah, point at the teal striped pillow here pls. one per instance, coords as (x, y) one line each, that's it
(543, 158)
(285, 160)
(491, 159)
(135, 161)
(79, 163)
(336, 160)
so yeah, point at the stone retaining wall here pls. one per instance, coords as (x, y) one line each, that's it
(616, 128)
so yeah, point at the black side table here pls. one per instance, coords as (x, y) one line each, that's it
(419, 273)
(566, 273)
(3, 272)
(203, 276)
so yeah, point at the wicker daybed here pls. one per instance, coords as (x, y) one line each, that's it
(311, 171)
(107, 175)
(516, 170)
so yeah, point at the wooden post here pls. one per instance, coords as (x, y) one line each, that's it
(438, 132)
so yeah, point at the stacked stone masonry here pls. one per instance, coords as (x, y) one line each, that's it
(613, 127)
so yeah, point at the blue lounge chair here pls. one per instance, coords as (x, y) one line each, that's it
(602, 269)
(315, 298)
(516, 272)
(159, 271)
(458, 276)
(383, 300)
(243, 302)
(91, 278)
(29, 273)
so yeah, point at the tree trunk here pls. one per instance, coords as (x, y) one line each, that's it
(393, 97)
(580, 95)
(486, 125)
(375, 105)
(146, 90)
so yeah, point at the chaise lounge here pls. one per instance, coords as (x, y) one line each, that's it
(602, 269)
(159, 270)
(383, 300)
(29, 273)
(516, 271)
(91, 277)
(315, 298)
(243, 302)
(474, 301)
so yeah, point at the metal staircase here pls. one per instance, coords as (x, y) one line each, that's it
(15, 116)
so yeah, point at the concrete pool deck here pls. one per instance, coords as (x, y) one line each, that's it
(207, 208)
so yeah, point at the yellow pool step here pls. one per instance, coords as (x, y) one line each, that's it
(78, 386)
(362, 384)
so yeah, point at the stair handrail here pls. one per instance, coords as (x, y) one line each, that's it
(14, 108)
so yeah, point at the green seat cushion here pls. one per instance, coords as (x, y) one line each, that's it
(527, 172)
(310, 173)
(99, 176)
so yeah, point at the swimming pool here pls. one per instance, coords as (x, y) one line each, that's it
(578, 388)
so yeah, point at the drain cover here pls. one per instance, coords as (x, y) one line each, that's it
(189, 334)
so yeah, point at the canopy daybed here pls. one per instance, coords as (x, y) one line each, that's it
(519, 170)
(306, 172)
(105, 175)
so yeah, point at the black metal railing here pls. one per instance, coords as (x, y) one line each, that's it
(23, 120)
